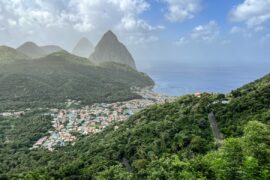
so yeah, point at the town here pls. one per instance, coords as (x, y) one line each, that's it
(69, 122)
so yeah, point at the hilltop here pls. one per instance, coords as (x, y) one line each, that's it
(31, 50)
(8, 55)
(34, 51)
(110, 49)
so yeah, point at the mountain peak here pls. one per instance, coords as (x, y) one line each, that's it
(110, 49)
(110, 34)
(83, 48)
(29, 44)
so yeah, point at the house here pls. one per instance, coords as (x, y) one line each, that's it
(19, 114)
(198, 94)
(6, 114)
(41, 141)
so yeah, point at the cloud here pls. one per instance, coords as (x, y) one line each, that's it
(83, 26)
(37, 13)
(141, 39)
(130, 23)
(181, 10)
(252, 12)
(79, 15)
(181, 41)
(201, 33)
(206, 32)
(131, 6)
(138, 31)
(121, 15)
(248, 32)
(236, 30)
(11, 22)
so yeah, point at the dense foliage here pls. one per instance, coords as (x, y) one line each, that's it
(52, 80)
(169, 141)
(17, 135)
(250, 102)
(174, 128)
(246, 158)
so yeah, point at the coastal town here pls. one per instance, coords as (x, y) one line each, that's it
(70, 122)
(73, 121)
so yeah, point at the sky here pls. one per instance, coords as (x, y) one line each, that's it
(157, 32)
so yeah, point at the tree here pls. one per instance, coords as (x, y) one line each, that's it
(116, 172)
(246, 158)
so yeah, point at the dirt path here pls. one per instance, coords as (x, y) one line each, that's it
(216, 132)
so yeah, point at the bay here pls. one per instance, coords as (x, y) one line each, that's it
(177, 80)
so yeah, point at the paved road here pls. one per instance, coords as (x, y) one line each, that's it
(216, 132)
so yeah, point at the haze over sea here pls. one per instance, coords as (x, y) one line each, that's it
(183, 79)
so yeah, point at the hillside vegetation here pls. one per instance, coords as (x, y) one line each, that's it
(9, 55)
(51, 80)
(249, 102)
(170, 141)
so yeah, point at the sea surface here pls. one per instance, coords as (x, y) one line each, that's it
(179, 80)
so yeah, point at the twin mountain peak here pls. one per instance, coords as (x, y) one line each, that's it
(108, 49)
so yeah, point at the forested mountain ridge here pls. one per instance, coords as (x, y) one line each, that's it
(33, 51)
(169, 141)
(51, 80)
(9, 55)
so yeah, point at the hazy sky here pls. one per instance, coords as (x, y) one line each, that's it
(155, 31)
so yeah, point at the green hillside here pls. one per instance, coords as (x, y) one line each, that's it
(249, 102)
(170, 141)
(51, 80)
(9, 55)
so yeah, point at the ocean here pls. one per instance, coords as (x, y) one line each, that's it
(181, 80)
